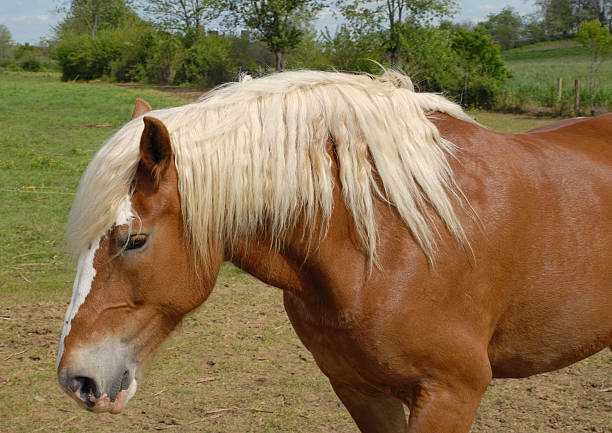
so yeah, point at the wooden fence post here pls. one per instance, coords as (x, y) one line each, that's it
(577, 100)
(560, 89)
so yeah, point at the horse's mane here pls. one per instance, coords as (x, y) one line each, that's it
(256, 151)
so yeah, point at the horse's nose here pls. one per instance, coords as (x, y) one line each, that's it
(82, 388)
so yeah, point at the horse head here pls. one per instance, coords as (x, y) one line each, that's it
(133, 286)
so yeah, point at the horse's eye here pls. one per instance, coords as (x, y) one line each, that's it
(136, 241)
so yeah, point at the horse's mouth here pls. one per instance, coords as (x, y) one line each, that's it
(87, 400)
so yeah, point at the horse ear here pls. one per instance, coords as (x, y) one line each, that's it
(140, 107)
(155, 148)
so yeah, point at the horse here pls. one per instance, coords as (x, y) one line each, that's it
(420, 254)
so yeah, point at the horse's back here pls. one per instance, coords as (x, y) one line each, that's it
(590, 135)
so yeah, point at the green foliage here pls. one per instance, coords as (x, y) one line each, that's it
(483, 67)
(309, 53)
(113, 52)
(348, 51)
(427, 56)
(27, 57)
(560, 18)
(90, 16)
(31, 65)
(6, 43)
(180, 15)
(82, 57)
(280, 24)
(389, 18)
(506, 28)
(437, 58)
(207, 62)
(249, 56)
(595, 38)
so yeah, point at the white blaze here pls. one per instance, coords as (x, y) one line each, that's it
(86, 274)
(82, 285)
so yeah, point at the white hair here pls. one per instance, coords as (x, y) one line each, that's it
(254, 155)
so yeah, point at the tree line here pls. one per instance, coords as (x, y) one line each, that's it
(208, 42)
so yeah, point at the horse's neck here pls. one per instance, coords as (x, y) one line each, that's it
(318, 271)
(259, 259)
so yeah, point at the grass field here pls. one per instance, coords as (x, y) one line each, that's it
(537, 68)
(235, 365)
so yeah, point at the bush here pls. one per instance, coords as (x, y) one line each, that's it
(484, 70)
(349, 51)
(82, 57)
(31, 64)
(207, 62)
(427, 57)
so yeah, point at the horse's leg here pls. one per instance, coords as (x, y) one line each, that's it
(443, 409)
(373, 413)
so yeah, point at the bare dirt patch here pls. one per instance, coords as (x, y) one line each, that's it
(235, 365)
(186, 93)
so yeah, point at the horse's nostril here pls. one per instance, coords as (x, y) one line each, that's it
(87, 389)
(125, 380)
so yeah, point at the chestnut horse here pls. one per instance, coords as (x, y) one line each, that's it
(420, 254)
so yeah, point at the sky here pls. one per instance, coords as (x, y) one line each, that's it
(32, 20)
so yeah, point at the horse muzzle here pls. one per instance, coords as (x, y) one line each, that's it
(98, 379)
(92, 395)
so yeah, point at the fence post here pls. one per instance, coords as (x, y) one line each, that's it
(560, 89)
(577, 100)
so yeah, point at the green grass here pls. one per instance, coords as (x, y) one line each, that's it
(537, 68)
(545, 50)
(509, 123)
(50, 131)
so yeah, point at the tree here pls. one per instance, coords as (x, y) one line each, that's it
(505, 28)
(597, 40)
(6, 43)
(185, 16)
(561, 18)
(92, 15)
(351, 50)
(430, 60)
(389, 17)
(594, 9)
(558, 18)
(279, 24)
(482, 63)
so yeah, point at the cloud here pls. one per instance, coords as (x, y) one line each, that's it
(325, 12)
(24, 18)
(489, 7)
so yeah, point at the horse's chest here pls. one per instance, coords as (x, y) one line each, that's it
(337, 342)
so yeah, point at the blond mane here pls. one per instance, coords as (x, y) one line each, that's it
(255, 152)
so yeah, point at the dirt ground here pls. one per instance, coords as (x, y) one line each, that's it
(185, 93)
(236, 366)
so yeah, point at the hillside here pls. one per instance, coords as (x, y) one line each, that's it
(545, 50)
(536, 69)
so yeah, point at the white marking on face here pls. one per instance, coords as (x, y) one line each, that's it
(125, 212)
(86, 274)
(82, 285)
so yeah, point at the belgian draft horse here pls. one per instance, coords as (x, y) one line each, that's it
(420, 254)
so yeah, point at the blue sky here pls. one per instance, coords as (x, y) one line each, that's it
(31, 20)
